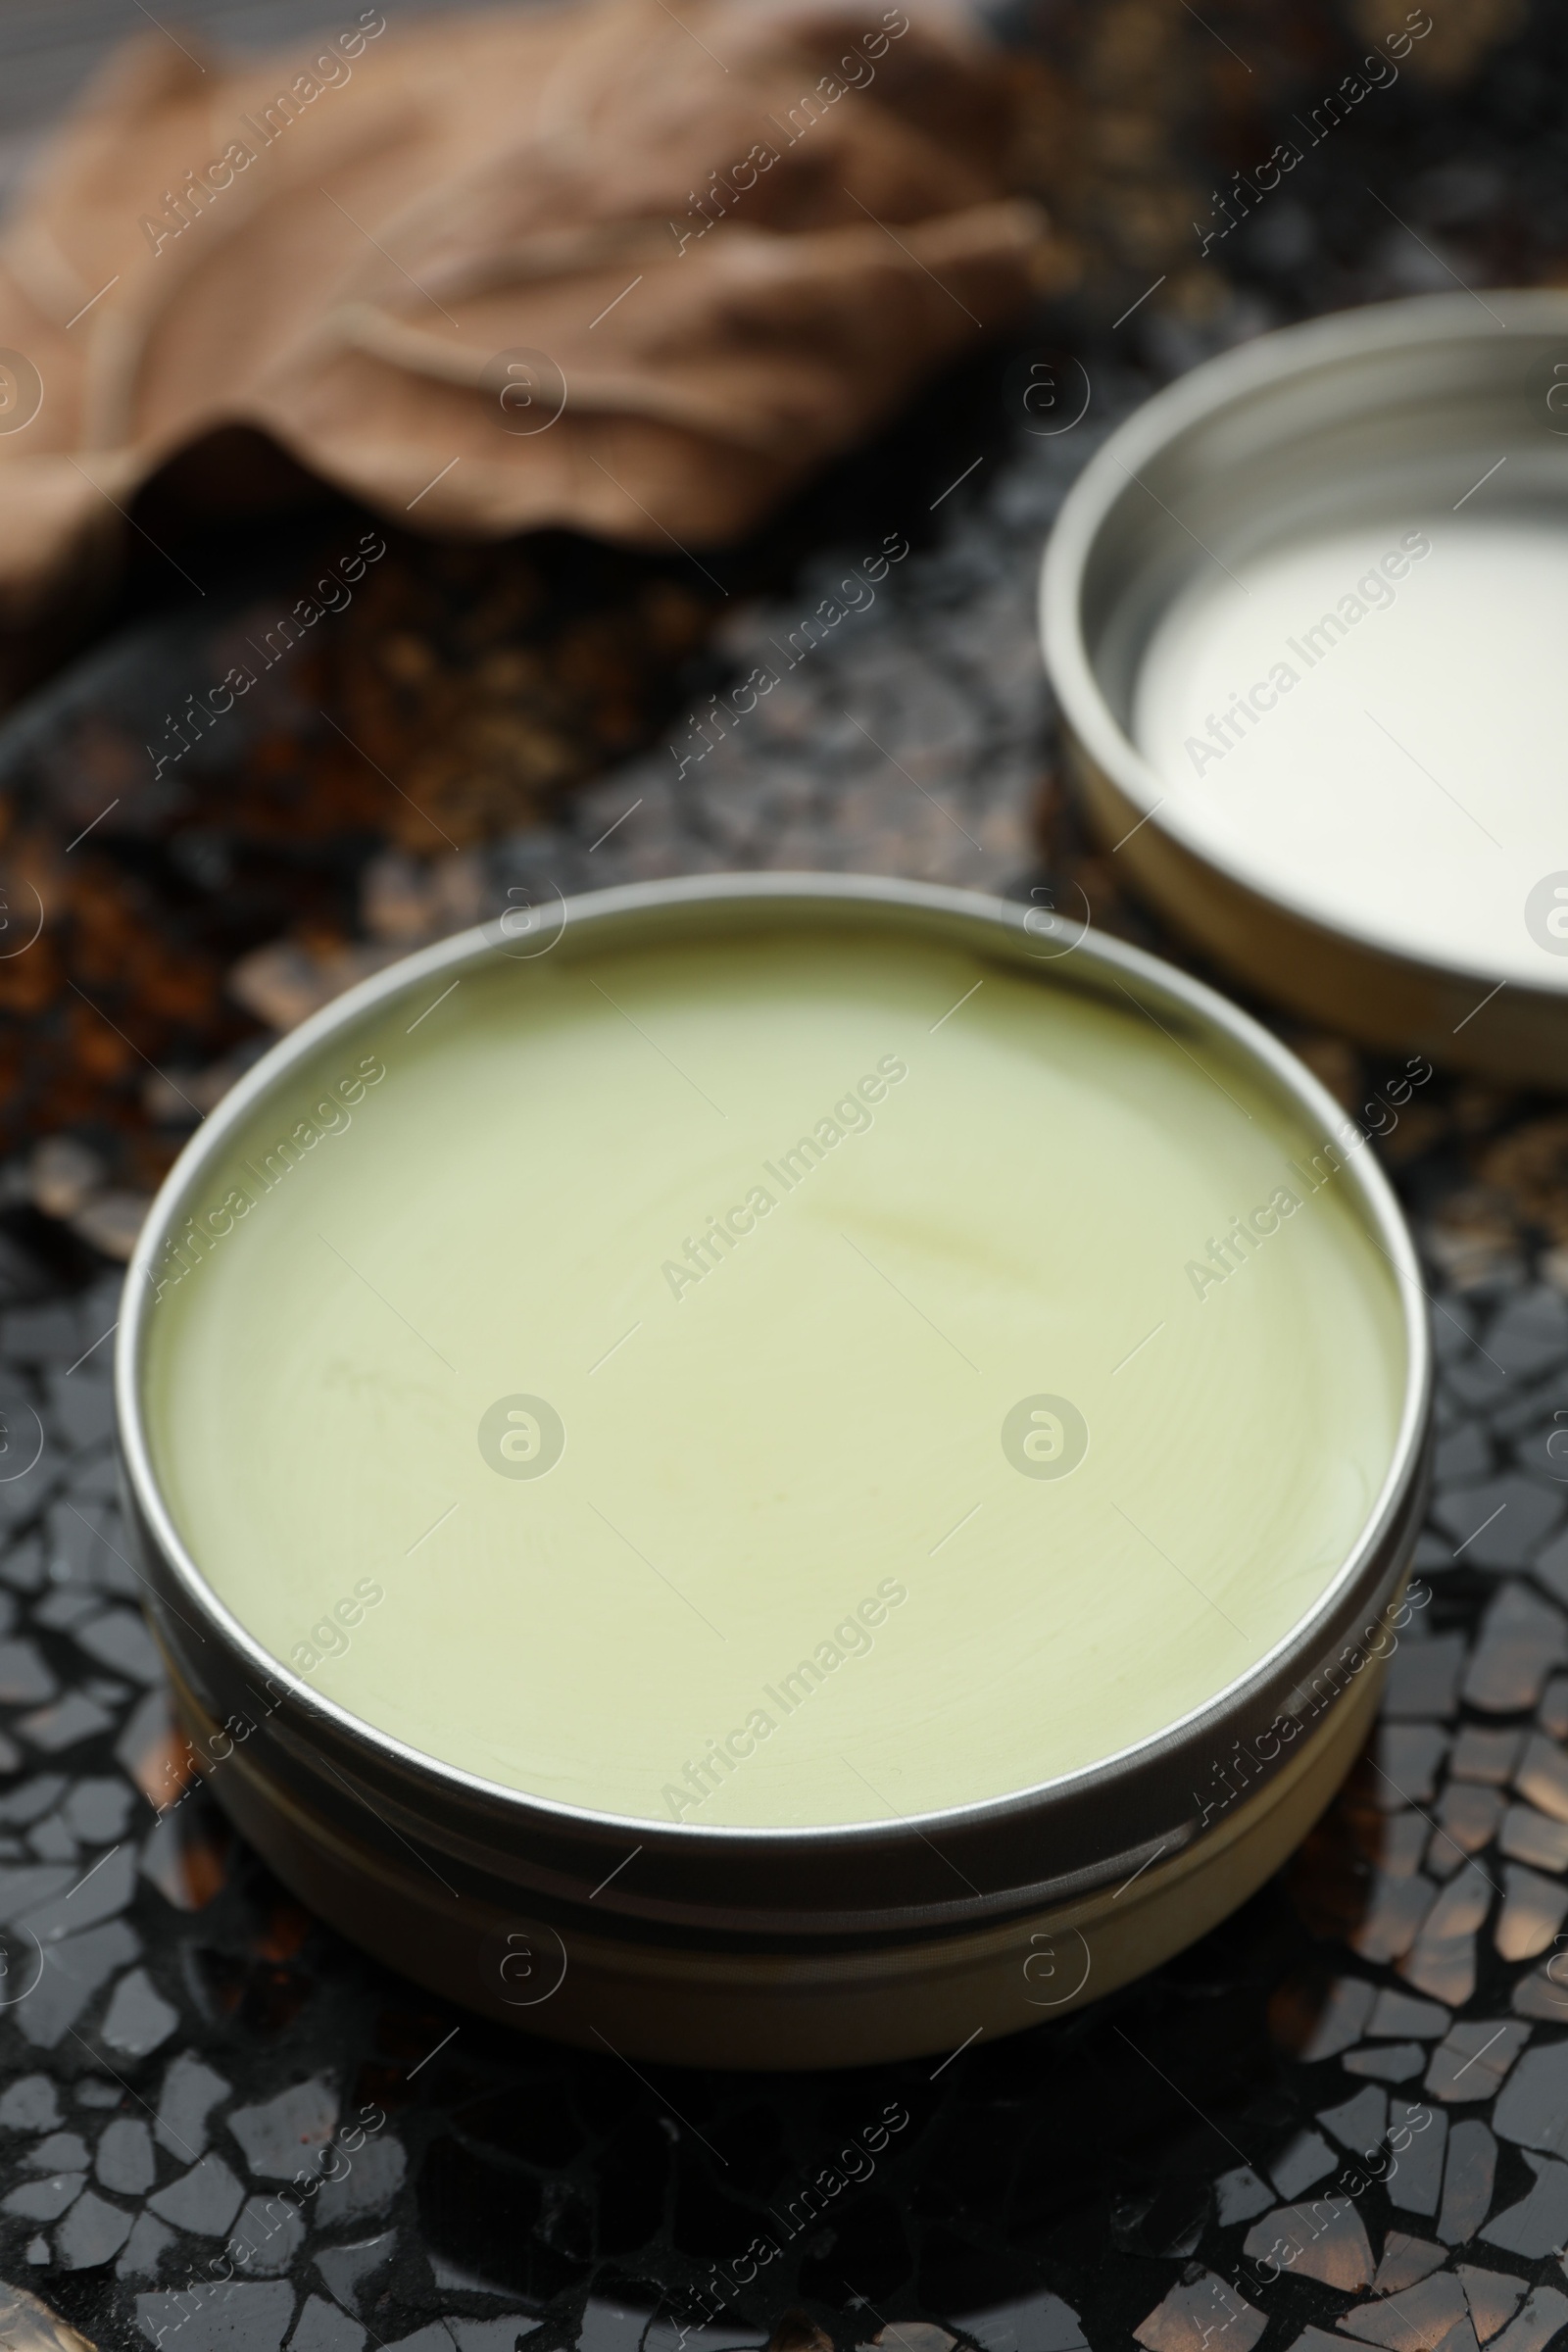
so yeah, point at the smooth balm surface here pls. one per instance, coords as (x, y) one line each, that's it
(1368, 725)
(795, 1379)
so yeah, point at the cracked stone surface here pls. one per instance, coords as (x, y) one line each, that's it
(194, 2041)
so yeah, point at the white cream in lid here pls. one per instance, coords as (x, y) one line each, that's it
(1367, 725)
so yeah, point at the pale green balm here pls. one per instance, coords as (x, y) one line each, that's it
(632, 1395)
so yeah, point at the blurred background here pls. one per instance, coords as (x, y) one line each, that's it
(479, 713)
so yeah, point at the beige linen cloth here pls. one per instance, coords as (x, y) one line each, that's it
(628, 266)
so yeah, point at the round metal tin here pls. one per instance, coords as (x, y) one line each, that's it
(1422, 402)
(784, 1947)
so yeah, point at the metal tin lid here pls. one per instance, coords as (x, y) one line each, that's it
(1301, 612)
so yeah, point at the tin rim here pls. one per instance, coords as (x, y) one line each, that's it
(449, 1803)
(1201, 397)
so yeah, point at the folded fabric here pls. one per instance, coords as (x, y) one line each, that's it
(632, 267)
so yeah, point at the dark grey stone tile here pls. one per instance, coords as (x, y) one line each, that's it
(1551, 1567)
(91, 2233)
(35, 1797)
(120, 1639)
(191, 2090)
(51, 1841)
(1406, 2261)
(29, 2104)
(95, 1895)
(22, 1495)
(24, 1678)
(1441, 1961)
(75, 1719)
(374, 2177)
(1552, 1712)
(286, 2134)
(1331, 2239)
(64, 1607)
(1536, 1441)
(1527, 1835)
(323, 2328)
(1474, 2058)
(203, 2201)
(1471, 1382)
(1492, 2296)
(1425, 2313)
(1537, 2324)
(1542, 1997)
(1400, 2015)
(1240, 2194)
(1342, 2020)
(242, 2316)
(99, 1809)
(81, 1403)
(1398, 2062)
(1455, 1328)
(1303, 2160)
(1462, 1454)
(71, 1972)
(1467, 1818)
(21, 1562)
(41, 1335)
(1467, 2182)
(138, 2019)
(1532, 1912)
(148, 2242)
(269, 2233)
(88, 1543)
(1484, 1755)
(1416, 2186)
(1539, 2223)
(1529, 1334)
(96, 1479)
(1359, 2122)
(1534, 2106)
(1522, 1637)
(1422, 1677)
(1541, 1776)
(1502, 1523)
(1407, 1756)
(125, 2160)
(44, 2200)
(1394, 1908)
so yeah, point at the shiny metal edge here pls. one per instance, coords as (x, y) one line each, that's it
(1195, 398)
(983, 924)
